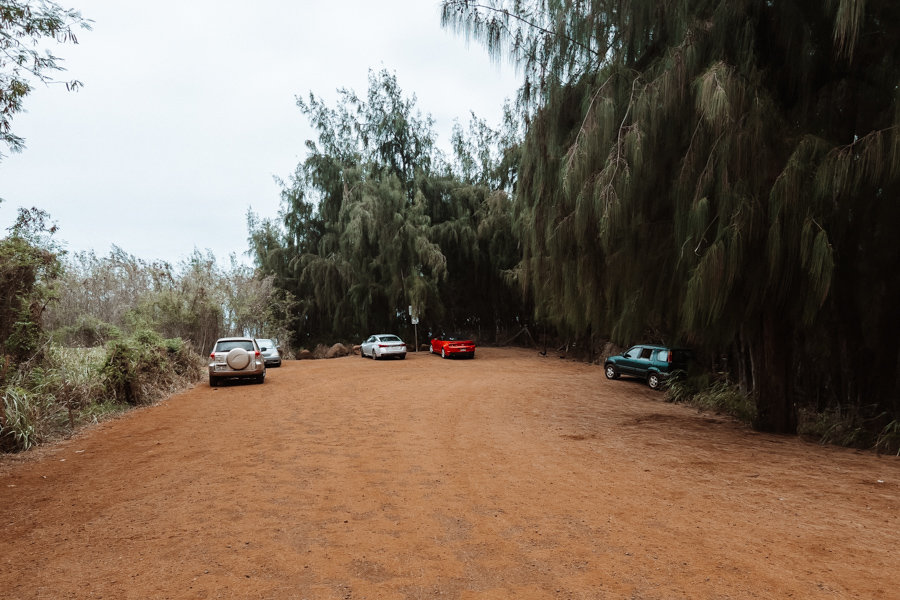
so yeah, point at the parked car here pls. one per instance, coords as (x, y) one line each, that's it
(234, 357)
(383, 345)
(452, 346)
(269, 351)
(656, 364)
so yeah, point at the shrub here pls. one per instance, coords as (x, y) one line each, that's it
(29, 266)
(19, 428)
(888, 439)
(88, 332)
(857, 427)
(713, 393)
(145, 367)
(74, 386)
(30, 413)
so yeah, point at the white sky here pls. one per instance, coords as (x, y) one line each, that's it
(188, 112)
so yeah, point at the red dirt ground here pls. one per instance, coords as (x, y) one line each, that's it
(507, 476)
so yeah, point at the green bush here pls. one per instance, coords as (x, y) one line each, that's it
(29, 266)
(888, 439)
(74, 386)
(855, 427)
(19, 426)
(88, 332)
(30, 411)
(141, 369)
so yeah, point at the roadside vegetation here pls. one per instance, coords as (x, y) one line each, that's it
(716, 175)
(85, 337)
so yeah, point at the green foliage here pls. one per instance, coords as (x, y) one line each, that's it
(713, 394)
(106, 298)
(77, 385)
(374, 221)
(74, 386)
(716, 173)
(42, 402)
(88, 331)
(24, 25)
(144, 367)
(29, 267)
(844, 427)
(888, 439)
(21, 414)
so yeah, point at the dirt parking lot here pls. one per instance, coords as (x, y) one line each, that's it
(508, 476)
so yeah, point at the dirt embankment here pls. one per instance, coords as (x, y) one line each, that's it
(507, 476)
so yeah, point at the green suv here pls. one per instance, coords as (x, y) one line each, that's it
(655, 364)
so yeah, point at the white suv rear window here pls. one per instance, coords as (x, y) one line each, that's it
(232, 344)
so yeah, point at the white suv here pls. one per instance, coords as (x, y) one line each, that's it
(236, 357)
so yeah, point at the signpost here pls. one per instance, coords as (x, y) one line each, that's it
(414, 319)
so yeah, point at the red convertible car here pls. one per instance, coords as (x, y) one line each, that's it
(451, 346)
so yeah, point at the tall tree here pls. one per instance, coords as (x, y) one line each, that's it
(24, 26)
(29, 268)
(724, 172)
(375, 220)
(354, 247)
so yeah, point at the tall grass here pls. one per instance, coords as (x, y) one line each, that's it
(855, 427)
(715, 394)
(76, 386)
(840, 426)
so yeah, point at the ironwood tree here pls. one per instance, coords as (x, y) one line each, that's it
(24, 26)
(377, 219)
(722, 173)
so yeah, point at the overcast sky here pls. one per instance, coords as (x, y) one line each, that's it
(188, 112)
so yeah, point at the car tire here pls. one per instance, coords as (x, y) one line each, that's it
(654, 381)
(611, 372)
(375, 354)
(213, 381)
(443, 353)
(237, 359)
(361, 353)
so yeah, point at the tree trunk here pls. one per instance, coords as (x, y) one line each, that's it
(775, 410)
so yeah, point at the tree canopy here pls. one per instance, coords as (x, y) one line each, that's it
(719, 173)
(377, 219)
(24, 25)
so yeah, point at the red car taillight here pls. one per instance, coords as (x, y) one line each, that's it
(212, 354)
(669, 357)
(257, 354)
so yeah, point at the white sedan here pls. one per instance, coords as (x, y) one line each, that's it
(383, 345)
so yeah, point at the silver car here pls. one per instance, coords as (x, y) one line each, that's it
(383, 345)
(236, 357)
(269, 351)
